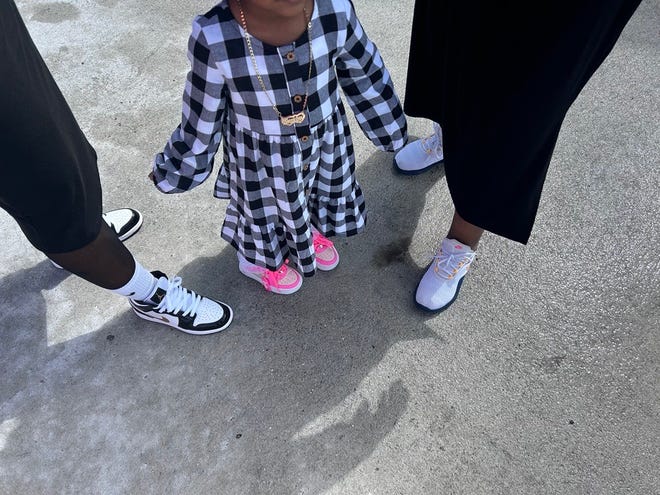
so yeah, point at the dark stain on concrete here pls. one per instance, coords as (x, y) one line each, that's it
(55, 13)
(550, 364)
(393, 252)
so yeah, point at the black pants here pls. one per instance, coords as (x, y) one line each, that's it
(49, 179)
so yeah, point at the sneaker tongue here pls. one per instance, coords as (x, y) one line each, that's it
(161, 290)
(452, 246)
(163, 283)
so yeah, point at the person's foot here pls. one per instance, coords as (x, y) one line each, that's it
(285, 280)
(325, 253)
(182, 309)
(421, 155)
(124, 221)
(439, 286)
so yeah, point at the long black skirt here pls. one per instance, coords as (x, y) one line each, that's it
(49, 179)
(499, 77)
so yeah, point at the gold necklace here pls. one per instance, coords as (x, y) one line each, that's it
(298, 117)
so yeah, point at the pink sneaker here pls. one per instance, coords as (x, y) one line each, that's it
(283, 281)
(326, 255)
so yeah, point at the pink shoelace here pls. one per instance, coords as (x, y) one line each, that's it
(271, 279)
(320, 242)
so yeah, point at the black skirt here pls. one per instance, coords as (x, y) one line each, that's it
(499, 77)
(49, 179)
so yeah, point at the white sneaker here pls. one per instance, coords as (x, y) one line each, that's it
(440, 284)
(421, 155)
(181, 308)
(124, 221)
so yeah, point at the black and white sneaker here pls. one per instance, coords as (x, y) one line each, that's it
(182, 309)
(124, 221)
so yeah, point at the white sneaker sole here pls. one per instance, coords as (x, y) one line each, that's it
(172, 321)
(418, 170)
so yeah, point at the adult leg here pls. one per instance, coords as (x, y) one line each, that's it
(51, 188)
(499, 136)
(464, 232)
(105, 261)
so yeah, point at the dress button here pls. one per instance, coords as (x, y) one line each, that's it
(304, 139)
(306, 167)
(297, 98)
(290, 56)
(307, 191)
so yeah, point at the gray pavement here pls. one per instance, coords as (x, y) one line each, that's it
(541, 379)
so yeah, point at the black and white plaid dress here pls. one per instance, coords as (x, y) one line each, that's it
(280, 179)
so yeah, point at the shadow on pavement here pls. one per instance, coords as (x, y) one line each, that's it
(272, 405)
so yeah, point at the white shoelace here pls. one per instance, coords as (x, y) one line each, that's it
(177, 298)
(433, 143)
(430, 144)
(451, 263)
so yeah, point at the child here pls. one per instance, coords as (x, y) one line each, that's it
(272, 98)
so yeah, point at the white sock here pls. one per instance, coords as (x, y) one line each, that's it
(141, 286)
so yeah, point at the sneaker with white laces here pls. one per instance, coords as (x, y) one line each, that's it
(421, 155)
(124, 221)
(285, 280)
(325, 252)
(182, 309)
(440, 284)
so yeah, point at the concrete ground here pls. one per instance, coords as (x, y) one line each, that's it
(541, 379)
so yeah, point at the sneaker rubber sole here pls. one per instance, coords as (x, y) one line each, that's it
(418, 171)
(173, 321)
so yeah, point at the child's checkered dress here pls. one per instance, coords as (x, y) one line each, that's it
(280, 179)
